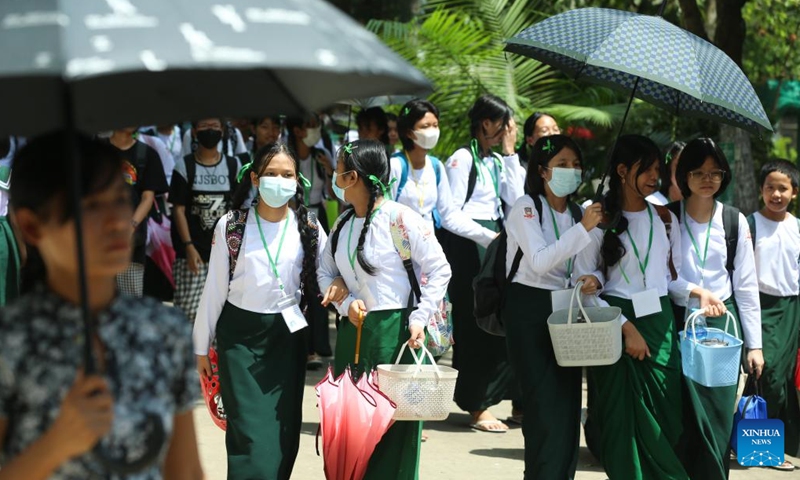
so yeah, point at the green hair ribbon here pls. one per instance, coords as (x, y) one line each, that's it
(668, 159)
(303, 181)
(548, 147)
(406, 111)
(384, 188)
(242, 171)
(349, 148)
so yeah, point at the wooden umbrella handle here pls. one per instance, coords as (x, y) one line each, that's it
(358, 333)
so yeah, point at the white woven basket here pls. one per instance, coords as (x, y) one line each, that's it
(596, 342)
(421, 392)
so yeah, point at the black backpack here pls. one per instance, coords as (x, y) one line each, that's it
(730, 225)
(491, 282)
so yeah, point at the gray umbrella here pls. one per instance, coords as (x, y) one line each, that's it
(136, 62)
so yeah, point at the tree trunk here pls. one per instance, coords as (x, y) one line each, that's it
(745, 194)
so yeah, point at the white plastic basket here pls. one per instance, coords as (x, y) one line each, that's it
(715, 365)
(596, 342)
(421, 392)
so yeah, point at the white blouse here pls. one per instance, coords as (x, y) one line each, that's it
(545, 258)
(253, 287)
(777, 255)
(714, 277)
(389, 288)
(422, 194)
(657, 273)
(485, 201)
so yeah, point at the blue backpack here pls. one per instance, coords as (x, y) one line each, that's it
(437, 169)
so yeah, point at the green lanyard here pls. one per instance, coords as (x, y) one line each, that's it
(273, 263)
(558, 237)
(351, 253)
(473, 144)
(642, 266)
(701, 261)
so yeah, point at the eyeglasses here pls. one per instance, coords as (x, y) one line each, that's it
(716, 176)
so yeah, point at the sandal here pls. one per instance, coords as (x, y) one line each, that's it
(786, 466)
(482, 426)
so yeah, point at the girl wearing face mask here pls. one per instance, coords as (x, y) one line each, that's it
(363, 252)
(315, 165)
(260, 277)
(538, 125)
(635, 404)
(422, 184)
(549, 230)
(481, 181)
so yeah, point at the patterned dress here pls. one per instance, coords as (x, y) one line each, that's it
(149, 364)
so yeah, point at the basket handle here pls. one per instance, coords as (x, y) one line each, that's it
(580, 304)
(419, 358)
(692, 318)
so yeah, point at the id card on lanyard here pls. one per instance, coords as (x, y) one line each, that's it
(646, 302)
(290, 310)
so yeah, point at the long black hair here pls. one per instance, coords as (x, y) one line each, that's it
(541, 155)
(628, 150)
(308, 234)
(525, 150)
(488, 107)
(411, 113)
(291, 124)
(41, 184)
(377, 116)
(665, 171)
(368, 159)
(694, 156)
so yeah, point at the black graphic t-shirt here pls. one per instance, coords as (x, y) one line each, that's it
(206, 201)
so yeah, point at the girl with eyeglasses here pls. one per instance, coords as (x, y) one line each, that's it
(702, 175)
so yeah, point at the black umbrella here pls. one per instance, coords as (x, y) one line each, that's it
(94, 65)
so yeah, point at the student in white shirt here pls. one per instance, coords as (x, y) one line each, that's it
(668, 190)
(262, 259)
(538, 125)
(421, 179)
(776, 235)
(546, 234)
(481, 181)
(702, 176)
(363, 252)
(635, 404)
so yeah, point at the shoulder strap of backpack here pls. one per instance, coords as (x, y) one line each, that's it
(234, 233)
(730, 225)
(233, 168)
(191, 169)
(437, 168)
(141, 153)
(751, 222)
(537, 202)
(666, 217)
(403, 247)
(675, 207)
(403, 173)
(337, 228)
(514, 265)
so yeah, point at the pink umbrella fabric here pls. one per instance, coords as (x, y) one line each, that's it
(354, 415)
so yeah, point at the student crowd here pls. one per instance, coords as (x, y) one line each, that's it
(257, 269)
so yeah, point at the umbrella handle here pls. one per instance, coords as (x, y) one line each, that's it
(614, 221)
(358, 334)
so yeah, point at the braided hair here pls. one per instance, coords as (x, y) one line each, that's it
(308, 233)
(367, 158)
(628, 150)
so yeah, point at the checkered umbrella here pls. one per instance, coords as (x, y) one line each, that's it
(662, 63)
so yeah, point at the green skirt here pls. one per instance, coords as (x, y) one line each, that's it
(637, 404)
(780, 322)
(382, 334)
(485, 377)
(550, 393)
(9, 263)
(708, 416)
(262, 375)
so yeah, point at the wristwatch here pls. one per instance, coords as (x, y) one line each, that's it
(187, 243)
(134, 223)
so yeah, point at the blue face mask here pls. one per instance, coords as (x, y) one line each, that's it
(565, 181)
(276, 191)
(337, 190)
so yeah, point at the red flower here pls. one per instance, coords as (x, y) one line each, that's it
(580, 133)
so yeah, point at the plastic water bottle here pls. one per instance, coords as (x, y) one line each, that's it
(700, 326)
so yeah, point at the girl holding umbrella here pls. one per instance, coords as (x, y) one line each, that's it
(52, 414)
(362, 251)
(637, 400)
(262, 259)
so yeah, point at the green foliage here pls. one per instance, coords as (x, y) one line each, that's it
(771, 46)
(458, 44)
(782, 148)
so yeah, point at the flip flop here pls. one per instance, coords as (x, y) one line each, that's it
(481, 426)
(515, 419)
(787, 466)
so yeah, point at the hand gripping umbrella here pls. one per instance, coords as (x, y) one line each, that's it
(64, 63)
(649, 57)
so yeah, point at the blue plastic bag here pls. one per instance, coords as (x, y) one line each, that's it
(751, 407)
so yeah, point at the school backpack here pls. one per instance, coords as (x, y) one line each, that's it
(440, 326)
(490, 284)
(404, 167)
(473, 172)
(730, 225)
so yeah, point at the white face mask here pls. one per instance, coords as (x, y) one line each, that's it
(276, 191)
(426, 138)
(313, 135)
